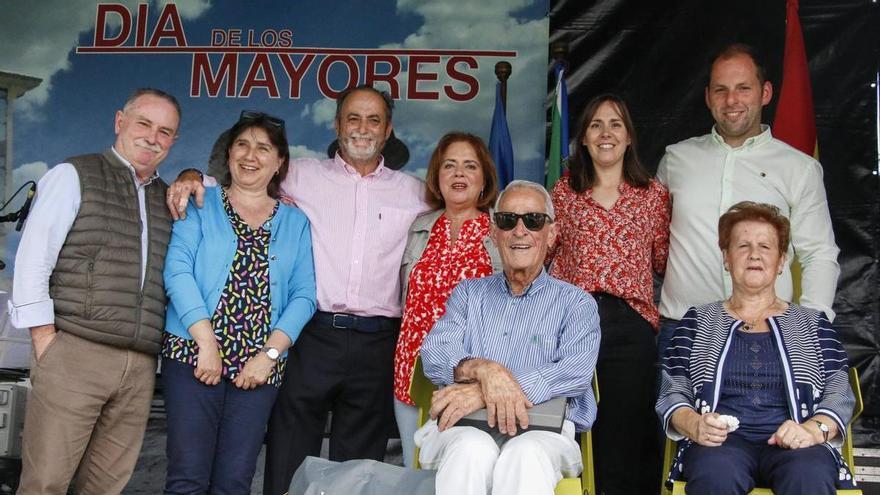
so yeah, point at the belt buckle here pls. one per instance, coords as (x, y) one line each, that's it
(343, 325)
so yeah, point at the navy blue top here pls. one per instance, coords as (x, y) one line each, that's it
(753, 386)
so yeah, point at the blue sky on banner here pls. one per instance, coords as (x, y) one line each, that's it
(72, 110)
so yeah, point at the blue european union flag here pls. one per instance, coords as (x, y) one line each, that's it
(500, 144)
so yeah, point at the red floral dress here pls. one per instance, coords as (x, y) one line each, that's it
(613, 251)
(431, 281)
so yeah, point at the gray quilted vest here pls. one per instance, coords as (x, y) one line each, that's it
(96, 284)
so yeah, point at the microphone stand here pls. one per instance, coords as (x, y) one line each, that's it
(21, 215)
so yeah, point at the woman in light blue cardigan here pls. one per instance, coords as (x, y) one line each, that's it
(241, 286)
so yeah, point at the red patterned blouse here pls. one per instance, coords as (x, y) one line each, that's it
(613, 251)
(433, 277)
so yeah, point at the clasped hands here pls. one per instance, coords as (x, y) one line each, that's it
(482, 383)
(710, 430)
(209, 369)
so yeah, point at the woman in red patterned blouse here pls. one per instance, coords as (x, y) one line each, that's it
(613, 224)
(444, 246)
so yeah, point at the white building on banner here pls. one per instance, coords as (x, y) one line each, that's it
(11, 87)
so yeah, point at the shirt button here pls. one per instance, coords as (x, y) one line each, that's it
(273, 257)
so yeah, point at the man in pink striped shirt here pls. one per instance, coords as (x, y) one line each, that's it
(360, 212)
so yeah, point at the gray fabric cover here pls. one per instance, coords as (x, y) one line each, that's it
(317, 476)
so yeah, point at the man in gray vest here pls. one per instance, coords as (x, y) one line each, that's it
(88, 284)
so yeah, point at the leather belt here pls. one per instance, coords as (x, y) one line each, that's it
(368, 324)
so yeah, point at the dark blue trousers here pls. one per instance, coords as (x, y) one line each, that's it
(738, 465)
(667, 328)
(214, 432)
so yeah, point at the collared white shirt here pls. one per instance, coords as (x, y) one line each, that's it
(705, 177)
(54, 210)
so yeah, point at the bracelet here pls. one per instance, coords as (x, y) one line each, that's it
(201, 175)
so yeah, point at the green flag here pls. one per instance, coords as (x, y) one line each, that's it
(558, 155)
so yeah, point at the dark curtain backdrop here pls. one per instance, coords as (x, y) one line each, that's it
(656, 54)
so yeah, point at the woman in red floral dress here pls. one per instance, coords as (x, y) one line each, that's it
(613, 224)
(444, 246)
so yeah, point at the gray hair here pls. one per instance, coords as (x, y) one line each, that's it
(152, 92)
(526, 184)
(386, 98)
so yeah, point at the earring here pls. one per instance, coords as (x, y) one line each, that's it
(481, 193)
(780, 271)
(726, 268)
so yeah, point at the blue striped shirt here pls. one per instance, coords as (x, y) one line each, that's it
(548, 338)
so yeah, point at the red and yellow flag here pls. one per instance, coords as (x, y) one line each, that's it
(795, 121)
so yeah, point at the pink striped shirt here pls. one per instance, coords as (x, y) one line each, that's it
(359, 229)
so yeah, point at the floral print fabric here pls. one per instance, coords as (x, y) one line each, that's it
(441, 267)
(614, 250)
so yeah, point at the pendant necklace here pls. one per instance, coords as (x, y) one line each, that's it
(748, 326)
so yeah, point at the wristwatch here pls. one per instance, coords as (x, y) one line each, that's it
(274, 353)
(824, 429)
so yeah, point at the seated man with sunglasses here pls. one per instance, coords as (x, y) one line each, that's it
(507, 342)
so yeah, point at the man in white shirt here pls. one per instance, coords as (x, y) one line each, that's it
(740, 160)
(88, 283)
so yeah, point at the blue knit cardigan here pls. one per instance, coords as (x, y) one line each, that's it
(200, 254)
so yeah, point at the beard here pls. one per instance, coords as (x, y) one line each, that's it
(346, 144)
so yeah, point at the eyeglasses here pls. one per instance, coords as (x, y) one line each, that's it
(506, 220)
(248, 116)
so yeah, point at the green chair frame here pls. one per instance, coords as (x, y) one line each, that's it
(421, 389)
(678, 487)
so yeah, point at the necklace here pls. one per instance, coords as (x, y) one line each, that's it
(749, 325)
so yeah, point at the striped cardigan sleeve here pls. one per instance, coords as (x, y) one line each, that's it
(676, 387)
(837, 398)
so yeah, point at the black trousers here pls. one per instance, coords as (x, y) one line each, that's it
(625, 434)
(330, 369)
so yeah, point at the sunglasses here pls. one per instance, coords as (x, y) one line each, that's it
(506, 220)
(248, 116)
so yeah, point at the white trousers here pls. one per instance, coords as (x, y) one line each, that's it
(470, 461)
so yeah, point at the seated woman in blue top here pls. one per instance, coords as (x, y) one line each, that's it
(778, 368)
(241, 286)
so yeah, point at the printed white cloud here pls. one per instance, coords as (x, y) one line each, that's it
(188, 9)
(37, 38)
(322, 112)
(300, 151)
(489, 24)
(28, 171)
